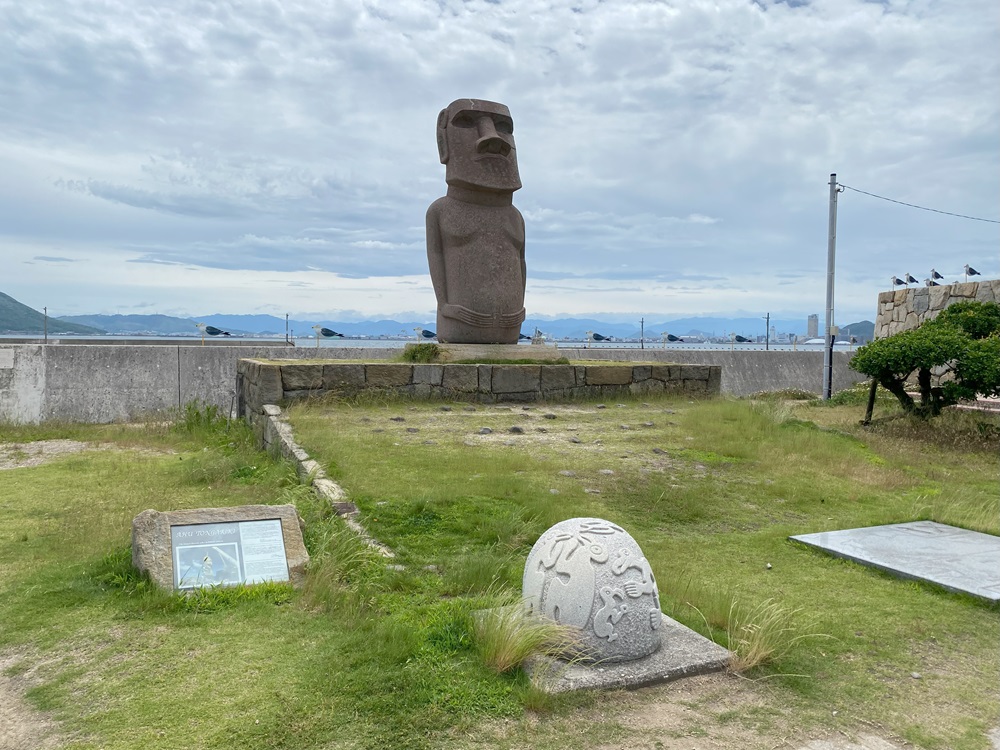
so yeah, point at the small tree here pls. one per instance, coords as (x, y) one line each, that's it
(963, 341)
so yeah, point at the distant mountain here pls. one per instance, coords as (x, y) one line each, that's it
(137, 324)
(864, 331)
(19, 318)
(560, 328)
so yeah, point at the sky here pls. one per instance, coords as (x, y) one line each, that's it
(189, 158)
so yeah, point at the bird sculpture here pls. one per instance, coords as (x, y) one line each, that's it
(935, 275)
(599, 337)
(671, 338)
(522, 337)
(211, 331)
(930, 282)
(897, 282)
(909, 279)
(742, 340)
(424, 333)
(970, 271)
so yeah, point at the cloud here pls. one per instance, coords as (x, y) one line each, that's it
(686, 144)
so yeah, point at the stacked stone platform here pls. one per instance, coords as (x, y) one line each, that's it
(263, 382)
(904, 309)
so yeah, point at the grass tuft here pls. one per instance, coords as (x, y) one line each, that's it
(508, 634)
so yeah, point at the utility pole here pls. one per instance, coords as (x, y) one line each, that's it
(830, 256)
(45, 323)
(767, 332)
(642, 333)
(286, 328)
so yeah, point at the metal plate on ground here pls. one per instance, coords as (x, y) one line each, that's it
(957, 559)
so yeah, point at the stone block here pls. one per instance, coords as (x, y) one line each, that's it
(461, 378)
(153, 547)
(938, 295)
(694, 372)
(520, 397)
(641, 372)
(899, 296)
(986, 291)
(485, 378)
(557, 377)
(301, 377)
(650, 385)
(388, 375)
(921, 300)
(343, 377)
(699, 387)
(516, 379)
(666, 372)
(427, 374)
(608, 375)
(965, 291)
(269, 388)
(714, 383)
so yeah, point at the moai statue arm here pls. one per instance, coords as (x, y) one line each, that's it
(435, 254)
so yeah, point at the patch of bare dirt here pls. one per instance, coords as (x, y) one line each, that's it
(709, 712)
(26, 455)
(21, 726)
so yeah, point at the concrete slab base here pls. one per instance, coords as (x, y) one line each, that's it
(683, 653)
(957, 559)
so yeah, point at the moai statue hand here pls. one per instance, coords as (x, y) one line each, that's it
(475, 236)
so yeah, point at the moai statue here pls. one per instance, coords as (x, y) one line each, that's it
(475, 236)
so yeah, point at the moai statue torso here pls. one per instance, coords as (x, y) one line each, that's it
(475, 236)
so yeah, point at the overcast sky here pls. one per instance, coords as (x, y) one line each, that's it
(189, 157)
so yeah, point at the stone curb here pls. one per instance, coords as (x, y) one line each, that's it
(278, 438)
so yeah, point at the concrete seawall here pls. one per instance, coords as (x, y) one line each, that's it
(113, 383)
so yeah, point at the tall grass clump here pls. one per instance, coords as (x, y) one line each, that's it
(761, 634)
(758, 634)
(507, 635)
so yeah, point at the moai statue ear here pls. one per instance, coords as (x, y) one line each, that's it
(442, 137)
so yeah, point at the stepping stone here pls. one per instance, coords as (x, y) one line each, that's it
(956, 559)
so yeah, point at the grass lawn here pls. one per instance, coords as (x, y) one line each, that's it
(370, 656)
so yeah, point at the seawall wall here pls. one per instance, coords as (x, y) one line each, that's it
(111, 383)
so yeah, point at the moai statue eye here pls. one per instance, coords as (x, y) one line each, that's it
(463, 120)
(503, 125)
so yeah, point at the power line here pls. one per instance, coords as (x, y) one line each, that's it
(922, 208)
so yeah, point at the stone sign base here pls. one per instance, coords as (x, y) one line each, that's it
(682, 653)
(486, 352)
(219, 546)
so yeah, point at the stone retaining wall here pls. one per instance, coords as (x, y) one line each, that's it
(263, 382)
(903, 309)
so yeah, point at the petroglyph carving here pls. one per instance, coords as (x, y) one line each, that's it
(590, 574)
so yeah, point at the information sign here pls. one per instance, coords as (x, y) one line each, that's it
(225, 554)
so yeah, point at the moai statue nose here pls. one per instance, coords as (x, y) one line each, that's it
(490, 142)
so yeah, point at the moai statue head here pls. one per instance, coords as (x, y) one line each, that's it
(476, 144)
